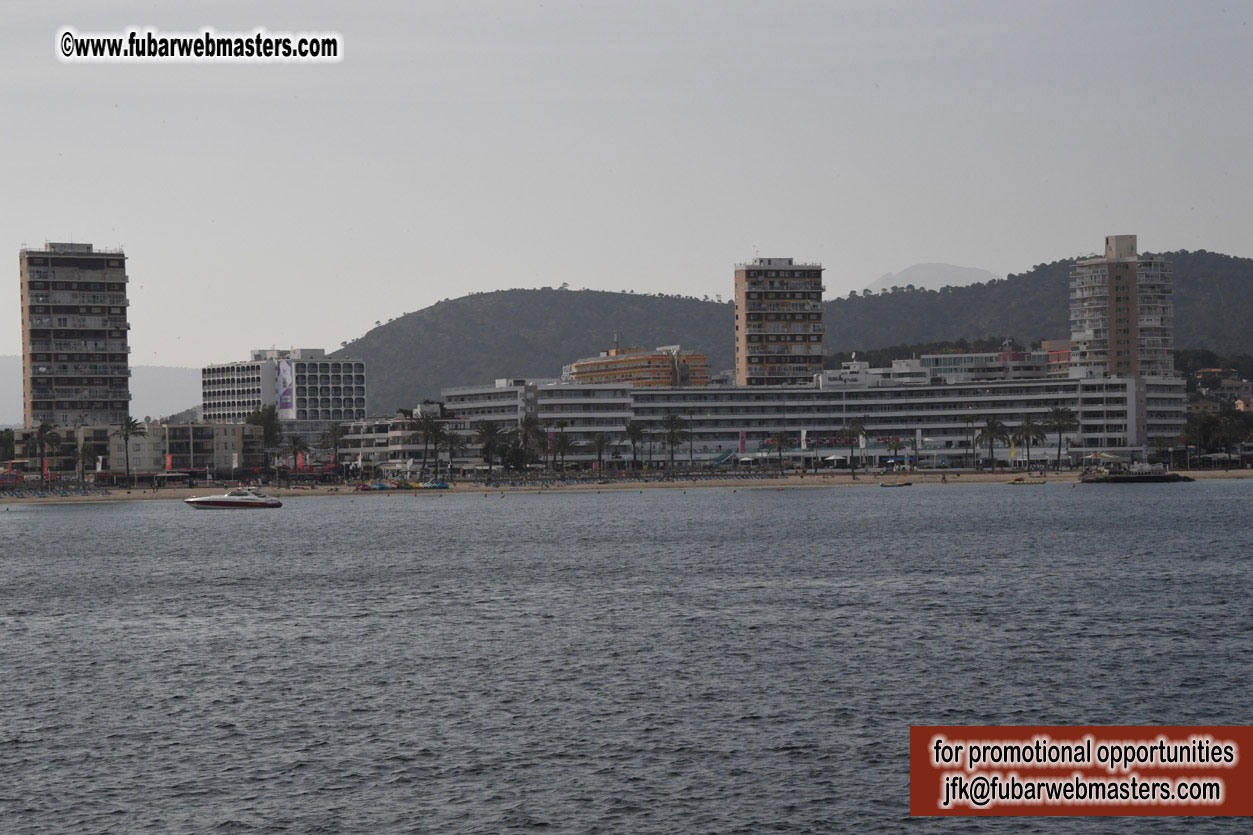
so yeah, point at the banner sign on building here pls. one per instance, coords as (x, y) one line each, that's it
(286, 385)
(300, 460)
(550, 441)
(234, 460)
(804, 437)
(99, 463)
(45, 469)
(169, 462)
(743, 441)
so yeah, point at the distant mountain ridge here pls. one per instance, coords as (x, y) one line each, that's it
(518, 333)
(933, 277)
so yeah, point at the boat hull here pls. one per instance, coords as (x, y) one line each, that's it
(229, 505)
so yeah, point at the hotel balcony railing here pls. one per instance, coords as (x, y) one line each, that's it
(83, 370)
(82, 346)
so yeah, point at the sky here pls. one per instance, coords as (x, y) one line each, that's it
(472, 146)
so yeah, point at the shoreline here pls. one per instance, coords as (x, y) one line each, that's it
(919, 478)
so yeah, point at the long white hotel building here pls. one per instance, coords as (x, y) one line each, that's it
(310, 390)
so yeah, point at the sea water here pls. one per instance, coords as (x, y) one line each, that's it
(708, 660)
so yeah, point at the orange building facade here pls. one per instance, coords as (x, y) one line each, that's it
(668, 366)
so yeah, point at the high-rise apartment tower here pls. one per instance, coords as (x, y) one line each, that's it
(1122, 312)
(75, 356)
(778, 322)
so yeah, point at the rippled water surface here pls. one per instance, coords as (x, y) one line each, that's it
(708, 661)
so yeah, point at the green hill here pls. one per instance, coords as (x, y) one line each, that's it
(533, 333)
(527, 333)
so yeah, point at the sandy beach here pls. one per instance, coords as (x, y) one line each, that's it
(947, 479)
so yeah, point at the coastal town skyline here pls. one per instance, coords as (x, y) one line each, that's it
(658, 413)
(642, 147)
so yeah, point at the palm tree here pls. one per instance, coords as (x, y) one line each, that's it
(634, 431)
(1028, 432)
(86, 455)
(781, 441)
(1231, 430)
(428, 432)
(45, 438)
(131, 428)
(489, 437)
(993, 430)
(296, 446)
(855, 430)
(560, 426)
(8, 446)
(674, 430)
(971, 420)
(1060, 420)
(531, 434)
(563, 444)
(452, 443)
(893, 445)
(517, 444)
(600, 443)
(331, 439)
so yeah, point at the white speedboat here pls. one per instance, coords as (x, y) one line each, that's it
(243, 497)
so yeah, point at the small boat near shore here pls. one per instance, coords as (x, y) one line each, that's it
(238, 499)
(1022, 480)
(1134, 478)
(896, 484)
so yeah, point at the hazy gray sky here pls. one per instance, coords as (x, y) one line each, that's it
(465, 146)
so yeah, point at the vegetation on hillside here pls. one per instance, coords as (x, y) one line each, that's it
(1191, 360)
(1213, 303)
